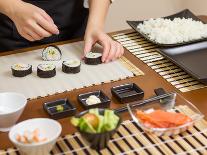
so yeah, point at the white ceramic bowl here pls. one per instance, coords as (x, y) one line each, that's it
(49, 129)
(11, 107)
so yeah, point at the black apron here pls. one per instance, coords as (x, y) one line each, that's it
(69, 15)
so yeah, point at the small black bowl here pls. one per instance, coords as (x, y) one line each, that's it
(98, 141)
(127, 92)
(68, 108)
(105, 101)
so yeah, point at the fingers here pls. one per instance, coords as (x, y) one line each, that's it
(116, 51)
(33, 23)
(106, 49)
(52, 28)
(27, 36)
(111, 49)
(87, 46)
(120, 50)
(34, 35)
(36, 31)
(112, 52)
(46, 16)
(40, 31)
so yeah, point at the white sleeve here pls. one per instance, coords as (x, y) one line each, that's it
(86, 5)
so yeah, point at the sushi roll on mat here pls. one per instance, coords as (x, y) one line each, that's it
(51, 53)
(71, 66)
(93, 58)
(46, 70)
(21, 70)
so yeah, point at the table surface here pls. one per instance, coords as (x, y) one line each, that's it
(150, 81)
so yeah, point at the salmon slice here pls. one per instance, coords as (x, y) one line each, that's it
(162, 119)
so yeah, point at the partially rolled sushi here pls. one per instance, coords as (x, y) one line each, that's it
(93, 58)
(46, 70)
(71, 66)
(21, 70)
(51, 53)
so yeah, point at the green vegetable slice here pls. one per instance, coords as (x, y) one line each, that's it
(107, 122)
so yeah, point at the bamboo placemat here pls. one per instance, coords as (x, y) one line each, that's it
(130, 66)
(131, 139)
(34, 87)
(147, 52)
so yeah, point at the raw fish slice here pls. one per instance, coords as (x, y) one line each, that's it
(163, 119)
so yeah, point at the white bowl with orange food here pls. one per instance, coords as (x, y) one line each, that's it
(35, 136)
(169, 115)
(11, 107)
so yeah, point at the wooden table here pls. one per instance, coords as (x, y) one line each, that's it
(148, 83)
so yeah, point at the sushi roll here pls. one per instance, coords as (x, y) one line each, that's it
(93, 58)
(46, 70)
(71, 66)
(51, 53)
(21, 70)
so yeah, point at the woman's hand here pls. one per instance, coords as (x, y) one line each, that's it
(32, 22)
(111, 49)
(95, 34)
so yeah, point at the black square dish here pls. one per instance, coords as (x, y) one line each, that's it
(60, 108)
(127, 92)
(183, 14)
(105, 101)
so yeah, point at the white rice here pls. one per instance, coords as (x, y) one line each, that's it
(51, 53)
(21, 66)
(93, 55)
(72, 63)
(166, 31)
(46, 67)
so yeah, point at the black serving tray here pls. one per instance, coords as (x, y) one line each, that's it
(183, 14)
(105, 101)
(69, 109)
(127, 93)
(191, 58)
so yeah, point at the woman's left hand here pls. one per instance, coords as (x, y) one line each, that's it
(112, 50)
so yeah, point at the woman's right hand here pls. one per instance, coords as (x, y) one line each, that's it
(32, 22)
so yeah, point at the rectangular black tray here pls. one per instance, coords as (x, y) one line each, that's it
(105, 101)
(127, 93)
(191, 58)
(69, 109)
(183, 14)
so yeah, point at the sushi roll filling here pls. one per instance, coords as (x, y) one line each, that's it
(93, 58)
(51, 53)
(93, 55)
(71, 66)
(21, 67)
(72, 63)
(46, 67)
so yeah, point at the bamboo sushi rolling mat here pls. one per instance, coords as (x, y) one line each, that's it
(130, 139)
(33, 87)
(147, 52)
